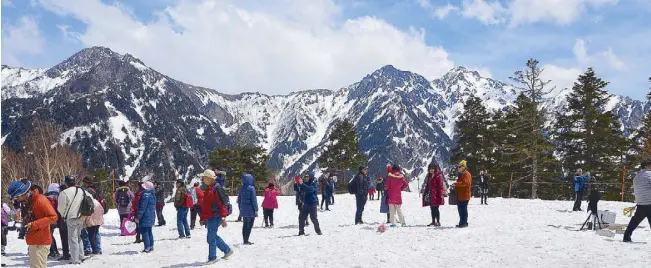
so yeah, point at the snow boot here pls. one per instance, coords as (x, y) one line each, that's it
(228, 255)
(404, 225)
(393, 226)
(248, 243)
(210, 262)
(431, 224)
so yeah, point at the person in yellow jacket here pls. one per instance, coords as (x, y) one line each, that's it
(464, 181)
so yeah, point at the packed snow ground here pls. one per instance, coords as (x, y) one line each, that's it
(506, 233)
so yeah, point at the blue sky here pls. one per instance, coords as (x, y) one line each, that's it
(280, 46)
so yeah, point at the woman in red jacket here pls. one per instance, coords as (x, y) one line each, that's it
(134, 210)
(434, 194)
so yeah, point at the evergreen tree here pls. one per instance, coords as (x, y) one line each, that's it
(530, 83)
(588, 136)
(105, 186)
(342, 152)
(241, 160)
(644, 134)
(472, 136)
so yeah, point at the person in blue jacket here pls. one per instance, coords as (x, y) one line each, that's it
(248, 203)
(147, 215)
(329, 191)
(300, 197)
(579, 187)
(309, 189)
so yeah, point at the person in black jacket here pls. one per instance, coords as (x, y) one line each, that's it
(361, 193)
(160, 203)
(483, 186)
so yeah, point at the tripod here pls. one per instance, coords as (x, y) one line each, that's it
(592, 224)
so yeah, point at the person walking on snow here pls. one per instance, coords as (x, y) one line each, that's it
(434, 194)
(642, 192)
(248, 203)
(92, 224)
(146, 215)
(462, 187)
(180, 197)
(579, 187)
(123, 197)
(197, 194)
(160, 203)
(483, 186)
(309, 188)
(270, 203)
(361, 192)
(69, 204)
(395, 184)
(213, 214)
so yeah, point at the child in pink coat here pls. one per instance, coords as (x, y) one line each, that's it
(270, 203)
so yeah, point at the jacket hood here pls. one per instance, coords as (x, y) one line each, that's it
(247, 180)
(311, 177)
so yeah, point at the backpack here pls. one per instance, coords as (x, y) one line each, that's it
(352, 186)
(187, 203)
(99, 198)
(193, 192)
(87, 206)
(122, 198)
(225, 199)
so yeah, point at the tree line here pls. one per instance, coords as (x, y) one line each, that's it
(532, 151)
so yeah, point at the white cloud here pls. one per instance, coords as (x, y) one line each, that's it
(486, 12)
(277, 48)
(23, 38)
(444, 11)
(607, 57)
(561, 77)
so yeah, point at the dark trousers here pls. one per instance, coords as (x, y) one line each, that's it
(247, 226)
(332, 199)
(92, 236)
(63, 234)
(302, 219)
(436, 215)
(641, 212)
(268, 214)
(159, 215)
(196, 209)
(300, 209)
(5, 231)
(53, 247)
(484, 195)
(138, 233)
(462, 206)
(360, 201)
(577, 200)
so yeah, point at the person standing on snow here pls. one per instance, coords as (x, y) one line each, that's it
(40, 215)
(329, 192)
(579, 188)
(270, 203)
(309, 189)
(483, 186)
(92, 224)
(69, 204)
(213, 214)
(146, 215)
(180, 197)
(134, 211)
(300, 196)
(248, 203)
(361, 192)
(642, 192)
(160, 203)
(395, 184)
(123, 197)
(196, 209)
(434, 192)
(52, 196)
(323, 181)
(462, 187)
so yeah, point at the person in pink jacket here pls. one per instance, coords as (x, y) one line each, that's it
(270, 203)
(434, 193)
(395, 184)
(92, 226)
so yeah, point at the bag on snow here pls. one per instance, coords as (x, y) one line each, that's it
(122, 198)
(225, 199)
(187, 203)
(384, 205)
(128, 227)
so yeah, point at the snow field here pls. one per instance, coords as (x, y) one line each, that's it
(506, 233)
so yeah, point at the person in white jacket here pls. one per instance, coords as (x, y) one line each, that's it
(70, 201)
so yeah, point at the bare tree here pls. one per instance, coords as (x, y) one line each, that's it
(43, 145)
(70, 163)
(14, 167)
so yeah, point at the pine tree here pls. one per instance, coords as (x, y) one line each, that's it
(588, 136)
(530, 83)
(342, 152)
(105, 186)
(241, 160)
(472, 136)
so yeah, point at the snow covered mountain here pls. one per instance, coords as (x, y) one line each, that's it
(121, 113)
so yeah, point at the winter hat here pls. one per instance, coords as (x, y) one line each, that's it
(148, 185)
(463, 163)
(271, 185)
(18, 188)
(208, 173)
(53, 187)
(69, 179)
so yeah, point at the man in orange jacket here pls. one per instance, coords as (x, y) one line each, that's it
(41, 214)
(464, 181)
